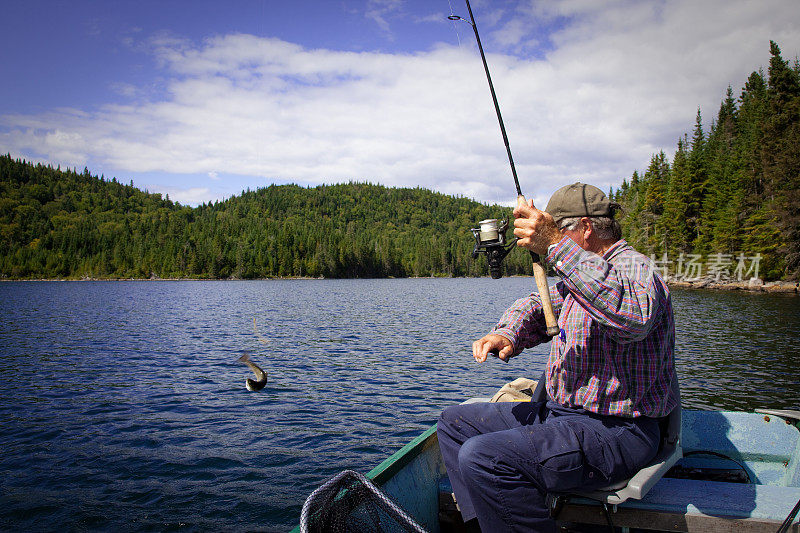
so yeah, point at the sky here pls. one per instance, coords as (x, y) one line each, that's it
(201, 100)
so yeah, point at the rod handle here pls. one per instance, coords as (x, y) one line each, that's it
(544, 290)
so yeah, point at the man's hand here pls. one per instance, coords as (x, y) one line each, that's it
(536, 230)
(492, 343)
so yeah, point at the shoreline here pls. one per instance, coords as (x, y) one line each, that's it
(754, 285)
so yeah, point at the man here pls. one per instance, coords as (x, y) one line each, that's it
(609, 375)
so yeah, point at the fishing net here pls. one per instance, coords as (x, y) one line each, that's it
(349, 502)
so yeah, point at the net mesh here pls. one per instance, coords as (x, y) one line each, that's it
(350, 502)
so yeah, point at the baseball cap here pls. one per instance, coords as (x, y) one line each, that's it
(580, 200)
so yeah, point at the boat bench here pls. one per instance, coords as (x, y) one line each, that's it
(671, 505)
(765, 449)
(708, 506)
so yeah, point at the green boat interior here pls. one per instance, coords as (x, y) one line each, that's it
(741, 468)
(717, 471)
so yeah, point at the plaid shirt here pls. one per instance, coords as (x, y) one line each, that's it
(614, 354)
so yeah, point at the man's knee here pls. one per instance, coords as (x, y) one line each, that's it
(448, 420)
(475, 459)
(448, 415)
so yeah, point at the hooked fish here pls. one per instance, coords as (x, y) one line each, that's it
(261, 376)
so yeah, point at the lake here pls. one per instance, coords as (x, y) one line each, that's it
(123, 405)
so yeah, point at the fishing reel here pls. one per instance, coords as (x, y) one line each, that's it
(490, 239)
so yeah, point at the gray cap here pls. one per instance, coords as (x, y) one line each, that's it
(580, 200)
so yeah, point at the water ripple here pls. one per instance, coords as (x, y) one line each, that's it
(123, 406)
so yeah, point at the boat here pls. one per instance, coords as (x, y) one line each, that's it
(740, 471)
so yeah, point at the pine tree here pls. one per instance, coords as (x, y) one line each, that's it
(724, 199)
(676, 203)
(698, 184)
(656, 180)
(782, 152)
(632, 206)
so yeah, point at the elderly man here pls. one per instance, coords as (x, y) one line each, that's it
(609, 375)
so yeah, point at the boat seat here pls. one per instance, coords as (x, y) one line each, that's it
(636, 487)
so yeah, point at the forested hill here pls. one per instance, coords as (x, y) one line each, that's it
(730, 191)
(64, 224)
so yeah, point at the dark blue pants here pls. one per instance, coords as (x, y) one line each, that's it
(504, 458)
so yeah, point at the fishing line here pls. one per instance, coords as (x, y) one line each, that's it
(453, 20)
(471, 22)
(258, 336)
(538, 270)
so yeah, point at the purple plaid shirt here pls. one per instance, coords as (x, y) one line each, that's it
(614, 354)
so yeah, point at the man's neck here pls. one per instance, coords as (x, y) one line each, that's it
(601, 246)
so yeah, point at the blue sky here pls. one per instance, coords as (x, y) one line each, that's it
(201, 99)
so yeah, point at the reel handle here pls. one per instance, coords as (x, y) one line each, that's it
(544, 290)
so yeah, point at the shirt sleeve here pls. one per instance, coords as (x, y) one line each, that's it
(622, 294)
(523, 323)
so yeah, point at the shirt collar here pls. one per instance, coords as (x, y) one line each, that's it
(615, 249)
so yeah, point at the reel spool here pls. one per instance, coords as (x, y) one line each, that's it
(490, 239)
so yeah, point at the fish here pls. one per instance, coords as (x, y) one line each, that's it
(261, 376)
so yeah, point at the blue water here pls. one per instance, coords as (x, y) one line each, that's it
(122, 405)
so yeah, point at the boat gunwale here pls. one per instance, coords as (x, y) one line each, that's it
(402, 457)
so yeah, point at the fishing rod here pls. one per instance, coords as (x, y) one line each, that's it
(494, 245)
(471, 22)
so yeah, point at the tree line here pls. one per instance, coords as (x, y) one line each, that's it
(65, 224)
(734, 189)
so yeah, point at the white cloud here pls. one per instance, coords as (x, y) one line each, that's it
(190, 196)
(622, 81)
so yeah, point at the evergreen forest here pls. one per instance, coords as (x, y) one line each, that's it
(65, 224)
(733, 189)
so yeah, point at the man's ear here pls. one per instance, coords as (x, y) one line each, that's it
(586, 227)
